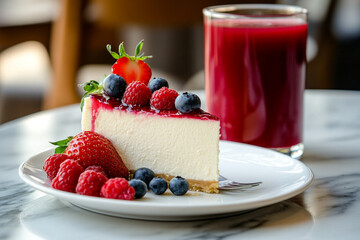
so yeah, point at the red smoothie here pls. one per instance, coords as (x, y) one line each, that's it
(255, 78)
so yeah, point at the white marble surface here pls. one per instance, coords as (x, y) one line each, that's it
(329, 209)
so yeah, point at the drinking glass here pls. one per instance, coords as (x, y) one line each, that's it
(255, 62)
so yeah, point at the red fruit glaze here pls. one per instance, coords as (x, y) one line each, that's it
(137, 94)
(90, 148)
(164, 99)
(52, 164)
(117, 188)
(101, 102)
(132, 71)
(68, 175)
(90, 183)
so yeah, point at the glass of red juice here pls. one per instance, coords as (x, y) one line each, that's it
(255, 63)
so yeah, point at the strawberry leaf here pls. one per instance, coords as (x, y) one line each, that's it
(62, 144)
(138, 48)
(60, 149)
(122, 50)
(113, 54)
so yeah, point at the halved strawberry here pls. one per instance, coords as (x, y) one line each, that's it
(92, 149)
(131, 68)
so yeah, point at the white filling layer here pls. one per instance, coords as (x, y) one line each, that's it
(175, 146)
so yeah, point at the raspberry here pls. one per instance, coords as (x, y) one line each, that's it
(137, 93)
(68, 175)
(52, 164)
(164, 99)
(90, 183)
(98, 169)
(117, 188)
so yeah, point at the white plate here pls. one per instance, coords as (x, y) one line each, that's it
(282, 177)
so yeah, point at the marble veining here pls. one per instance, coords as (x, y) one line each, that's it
(329, 209)
(337, 194)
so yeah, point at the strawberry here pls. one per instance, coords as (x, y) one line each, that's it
(131, 68)
(90, 148)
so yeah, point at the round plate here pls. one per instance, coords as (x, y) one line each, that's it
(282, 177)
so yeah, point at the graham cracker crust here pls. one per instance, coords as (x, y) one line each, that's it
(194, 185)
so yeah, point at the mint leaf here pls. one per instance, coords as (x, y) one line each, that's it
(91, 87)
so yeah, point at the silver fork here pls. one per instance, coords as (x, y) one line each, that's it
(226, 184)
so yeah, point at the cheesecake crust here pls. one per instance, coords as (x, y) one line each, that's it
(194, 185)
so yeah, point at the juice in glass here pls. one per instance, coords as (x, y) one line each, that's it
(255, 78)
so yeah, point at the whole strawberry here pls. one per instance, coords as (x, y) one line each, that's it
(131, 68)
(52, 164)
(90, 148)
(67, 176)
(90, 183)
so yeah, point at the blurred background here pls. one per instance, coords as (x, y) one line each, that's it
(48, 47)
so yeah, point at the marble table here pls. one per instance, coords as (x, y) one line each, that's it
(329, 209)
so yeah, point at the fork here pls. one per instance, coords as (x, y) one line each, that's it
(226, 184)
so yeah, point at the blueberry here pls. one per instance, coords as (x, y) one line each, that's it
(187, 102)
(139, 186)
(158, 185)
(178, 185)
(144, 174)
(114, 86)
(157, 83)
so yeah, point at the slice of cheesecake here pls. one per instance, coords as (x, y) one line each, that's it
(168, 142)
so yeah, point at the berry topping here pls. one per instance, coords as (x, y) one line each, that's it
(164, 99)
(157, 83)
(117, 188)
(178, 186)
(90, 183)
(131, 68)
(139, 186)
(90, 148)
(144, 174)
(98, 169)
(158, 185)
(187, 102)
(68, 175)
(114, 86)
(52, 164)
(137, 93)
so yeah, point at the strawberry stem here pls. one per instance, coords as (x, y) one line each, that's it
(122, 52)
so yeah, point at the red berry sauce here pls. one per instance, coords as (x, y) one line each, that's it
(109, 103)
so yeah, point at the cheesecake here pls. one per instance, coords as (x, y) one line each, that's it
(168, 142)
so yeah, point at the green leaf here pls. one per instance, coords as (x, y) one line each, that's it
(113, 54)
(143, 57)
(138, 48)
(60, 149)
(122, 50)
(91, 87)
(63, 142)
(82, 101)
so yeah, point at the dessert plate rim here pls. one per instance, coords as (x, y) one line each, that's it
(282, 177)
